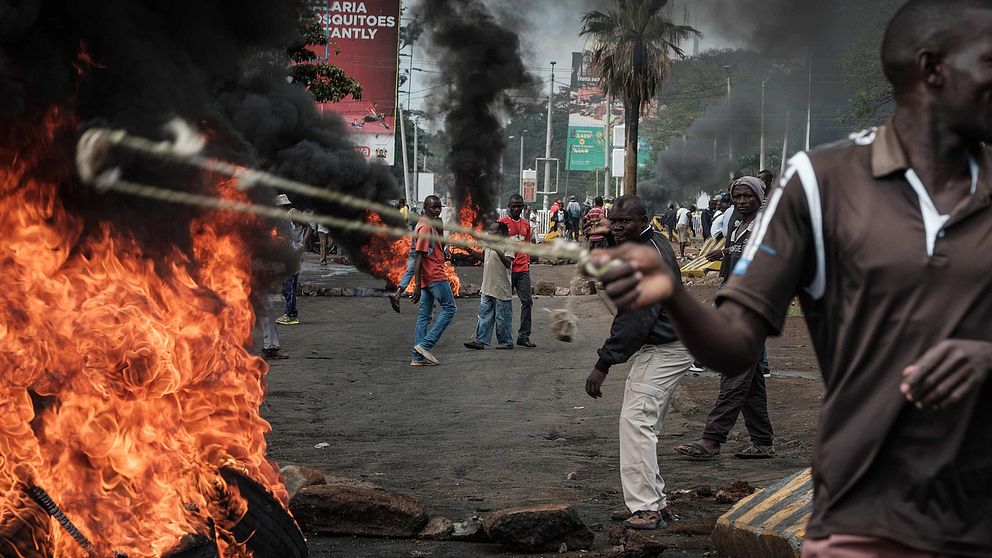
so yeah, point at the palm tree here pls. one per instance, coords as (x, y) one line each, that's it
(632, 58)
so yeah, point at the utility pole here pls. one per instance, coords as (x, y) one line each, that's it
(730, 121)
(785, 144)
(520, 177)
(406, 169)
(416, 175)
(609, 150)
(809, 95)
(762, 155)
(547, 142)
(409, 85)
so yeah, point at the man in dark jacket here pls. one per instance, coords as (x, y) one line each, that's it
(660, 362)
(668, 219)
(706, 219)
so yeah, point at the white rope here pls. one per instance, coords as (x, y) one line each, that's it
(92, 162)
(93, 149)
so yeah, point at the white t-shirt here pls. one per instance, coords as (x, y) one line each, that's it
(683, 217)
(716, 229)
(496, 276)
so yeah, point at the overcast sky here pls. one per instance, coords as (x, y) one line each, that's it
(548, 29)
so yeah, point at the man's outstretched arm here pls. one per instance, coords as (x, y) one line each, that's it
(728, 338)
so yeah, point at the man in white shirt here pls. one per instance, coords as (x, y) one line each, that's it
(682, 227)
(496, 306)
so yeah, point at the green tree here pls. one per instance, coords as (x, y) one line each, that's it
(633, 58)
(327, 82)
(871, 98)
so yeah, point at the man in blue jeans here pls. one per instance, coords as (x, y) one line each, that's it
(406, 278)
(430, 284)
(496, 306)
(300, 234)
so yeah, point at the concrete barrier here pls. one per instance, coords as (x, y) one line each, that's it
(699, 266)
(770, 523)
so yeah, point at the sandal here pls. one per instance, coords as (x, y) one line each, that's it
(695, 450)
(756, 452)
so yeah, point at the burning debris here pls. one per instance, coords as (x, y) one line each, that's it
(481, 58)
(130, 397)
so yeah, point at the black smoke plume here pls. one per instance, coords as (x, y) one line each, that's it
(134, 64)
(480, 62)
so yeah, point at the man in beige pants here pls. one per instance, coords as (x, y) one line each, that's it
(659, 362)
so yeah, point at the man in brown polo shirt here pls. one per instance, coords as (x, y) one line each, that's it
(887, 240)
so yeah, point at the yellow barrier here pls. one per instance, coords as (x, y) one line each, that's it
(768, 523)
(699, 266)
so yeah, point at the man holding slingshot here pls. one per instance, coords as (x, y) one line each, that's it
(887, 241)
(660, 361)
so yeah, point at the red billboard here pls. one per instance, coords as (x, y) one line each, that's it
(363, 40)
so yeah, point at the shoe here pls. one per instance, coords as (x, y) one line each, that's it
(623, 514)
(504, 347)
(291, 321)
(767, 374)
(526, 343)
(426, 354)
(755, 451)
(282, 320)
(273, 354)
(394, 301)
(474, 345)
(645, 520)
(696, 367)
(422, 363)
(697, 451)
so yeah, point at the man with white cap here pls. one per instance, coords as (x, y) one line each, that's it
(739, 393)
(298, 239)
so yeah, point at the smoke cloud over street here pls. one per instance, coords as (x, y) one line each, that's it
(480, 61)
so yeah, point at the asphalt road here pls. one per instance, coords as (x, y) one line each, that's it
(492, 429)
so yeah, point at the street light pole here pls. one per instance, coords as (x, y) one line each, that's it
(730, 120)
(762, 155)
(520, 177)
(547, 142)
(416, 174)
(609, 151)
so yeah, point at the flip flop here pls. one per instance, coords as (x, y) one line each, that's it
(696, 451)
(756, 452)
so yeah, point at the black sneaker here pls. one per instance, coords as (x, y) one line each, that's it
(526, 343)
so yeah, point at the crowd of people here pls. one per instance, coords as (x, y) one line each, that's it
(881, 239)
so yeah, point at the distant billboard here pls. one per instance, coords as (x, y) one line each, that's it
(363, 40)
(586, 144)
(528, 188)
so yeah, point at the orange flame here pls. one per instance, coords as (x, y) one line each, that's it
(388, 257)
(84, 60)
(468, 213)
(142, 367)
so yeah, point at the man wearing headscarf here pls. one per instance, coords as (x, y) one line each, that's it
(739, 393)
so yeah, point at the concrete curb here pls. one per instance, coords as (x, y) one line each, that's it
(770, 522)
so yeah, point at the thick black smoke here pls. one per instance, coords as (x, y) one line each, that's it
(778, 26)
(704, 164)
(786, 43)
(216, 64)
(479, 61)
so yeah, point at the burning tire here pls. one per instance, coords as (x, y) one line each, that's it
(266, 529)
